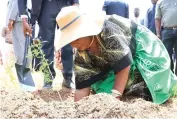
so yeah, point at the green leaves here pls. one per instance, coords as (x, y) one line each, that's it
(36, 51)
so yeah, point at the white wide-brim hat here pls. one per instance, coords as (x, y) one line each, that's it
(74, 24)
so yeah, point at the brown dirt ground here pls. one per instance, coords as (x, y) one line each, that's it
(16, 104)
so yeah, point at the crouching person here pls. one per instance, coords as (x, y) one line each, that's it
(117, 56)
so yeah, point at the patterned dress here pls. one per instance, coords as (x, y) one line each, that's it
(116, 48)
(123, 43)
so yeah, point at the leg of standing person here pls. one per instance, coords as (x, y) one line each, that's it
(19, 50)
(169, 46)
(168, 41)
(47, 25)
(18, 42)
(67, 56)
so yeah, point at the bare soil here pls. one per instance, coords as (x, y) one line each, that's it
(16, 104)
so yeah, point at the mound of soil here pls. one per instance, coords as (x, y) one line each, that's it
(59, 104)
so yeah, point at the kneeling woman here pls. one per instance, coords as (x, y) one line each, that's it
(115, 55)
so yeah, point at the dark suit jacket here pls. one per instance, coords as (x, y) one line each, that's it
(36, 7)
(117, 7)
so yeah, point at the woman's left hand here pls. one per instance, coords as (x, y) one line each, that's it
(121, 80)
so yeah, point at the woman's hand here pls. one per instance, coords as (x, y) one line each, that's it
(116, 94)
(121, 79)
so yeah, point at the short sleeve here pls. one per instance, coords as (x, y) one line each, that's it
(158, 13)
(116, 44)
(123, 63)
(83, 70)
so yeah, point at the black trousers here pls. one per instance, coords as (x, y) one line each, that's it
(47, 26)
(169, 37)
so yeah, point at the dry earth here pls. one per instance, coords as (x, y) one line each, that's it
(16, 104)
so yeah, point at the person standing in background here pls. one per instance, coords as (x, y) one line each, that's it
(166, 26)
(117, 7)
(14, 25)
(150, 17)
(45, 12)
(136, 17)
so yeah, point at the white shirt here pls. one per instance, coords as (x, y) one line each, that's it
(137, 20)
